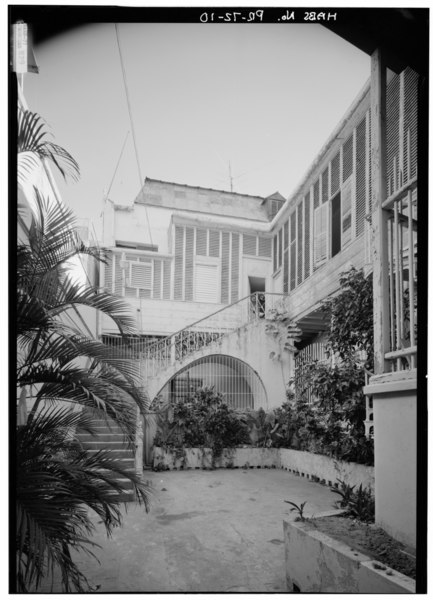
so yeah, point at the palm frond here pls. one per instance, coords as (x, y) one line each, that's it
(56, 482)
(32, 139)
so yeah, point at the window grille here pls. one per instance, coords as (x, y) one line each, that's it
(234, 379)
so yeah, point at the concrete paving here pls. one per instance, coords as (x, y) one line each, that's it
(207, 531)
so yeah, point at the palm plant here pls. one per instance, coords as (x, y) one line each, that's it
(69, 378)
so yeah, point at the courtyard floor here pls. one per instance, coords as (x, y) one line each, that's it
(207, 531)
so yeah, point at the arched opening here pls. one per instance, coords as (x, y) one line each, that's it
(240, 385)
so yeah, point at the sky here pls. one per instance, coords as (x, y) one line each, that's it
(257, 102)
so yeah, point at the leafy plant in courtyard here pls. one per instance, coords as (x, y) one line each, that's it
(359, 502)
(68, 377)
(350, 315)
(298, 509)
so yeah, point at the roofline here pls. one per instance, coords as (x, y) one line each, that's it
(324, 149)
(197, 187)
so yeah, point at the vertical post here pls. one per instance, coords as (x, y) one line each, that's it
(380, 249)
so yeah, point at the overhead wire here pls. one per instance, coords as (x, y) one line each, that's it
(125, 83)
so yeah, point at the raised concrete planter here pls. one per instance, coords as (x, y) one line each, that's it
(304, 464)
(326, 468)
(201, 458)
(316, 562)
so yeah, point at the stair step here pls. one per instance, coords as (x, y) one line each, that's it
(102, 436)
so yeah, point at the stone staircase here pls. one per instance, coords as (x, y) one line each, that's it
(109, 436)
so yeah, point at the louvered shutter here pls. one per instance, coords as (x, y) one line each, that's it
(178, 263)
(265, 247)
(392, 132)
(166, 280)
(206, 283)
(348, 158)
(225, 268)
(108, 274)
(325, 185)
(307, 235)
(410, 124)
(189, 262)
(320, 234)
(249, 245)
(346, 213)
(361, 171)
(300, 242)
(201, 242)
(141, 275)
(235, 268)
(157, 279)
(335, 174)
(214, 244)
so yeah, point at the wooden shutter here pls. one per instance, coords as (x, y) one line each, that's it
(348, 158)
(201, 242)
(274, 253)
(410, 126)
(307, 235)
(361, 172)
(285, 272)
(108, 274)
(335, 174)
(141, 275)
(157, 279)
(166, 285)
(321, 234)
(225, 268)
(346, 213)
(325, 186)
(206, 283)
(292, 251)
(189, 262)
(214, 243)
(235, 268)
(178, 263)
(265, 247)
(392, 131)
(300, 238)
(249, 245)
(118, 275)
(316, 193)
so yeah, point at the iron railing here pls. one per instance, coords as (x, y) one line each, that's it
(158, 355)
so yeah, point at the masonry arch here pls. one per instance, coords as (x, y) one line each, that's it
(234, 378)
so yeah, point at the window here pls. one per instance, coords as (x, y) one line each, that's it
(321, 234)
(206, 280)
(138, 281)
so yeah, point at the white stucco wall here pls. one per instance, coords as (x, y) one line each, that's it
(395, 455)
(253, 346)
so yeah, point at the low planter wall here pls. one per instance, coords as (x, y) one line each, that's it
(312, 466)
(316, 562)
(327, 470)
(201, 458)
